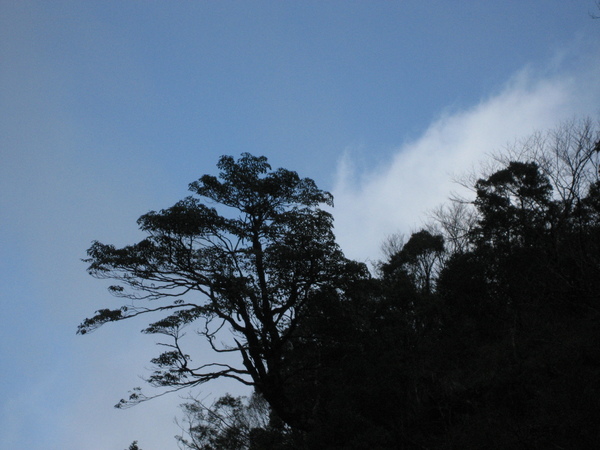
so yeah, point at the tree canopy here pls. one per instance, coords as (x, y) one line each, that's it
(252, 264)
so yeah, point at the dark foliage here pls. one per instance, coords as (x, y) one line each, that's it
(253, 266)
(481, 331)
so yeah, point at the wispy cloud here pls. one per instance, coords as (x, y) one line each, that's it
(396, 196)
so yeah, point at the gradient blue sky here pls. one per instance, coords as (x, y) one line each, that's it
(110, 108)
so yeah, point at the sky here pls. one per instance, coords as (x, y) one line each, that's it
(108, 109)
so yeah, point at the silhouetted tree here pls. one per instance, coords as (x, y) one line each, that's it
(252, 266)
(419, 259)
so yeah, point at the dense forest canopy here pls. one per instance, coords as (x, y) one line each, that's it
(480, 330)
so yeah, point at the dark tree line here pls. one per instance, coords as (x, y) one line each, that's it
(481, 330)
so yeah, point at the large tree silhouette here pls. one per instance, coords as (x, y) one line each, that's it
(251, 264)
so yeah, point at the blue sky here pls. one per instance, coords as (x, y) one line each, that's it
(110, 108)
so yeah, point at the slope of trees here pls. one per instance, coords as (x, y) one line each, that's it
(480, 331)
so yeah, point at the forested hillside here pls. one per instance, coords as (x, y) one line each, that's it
(481, 330)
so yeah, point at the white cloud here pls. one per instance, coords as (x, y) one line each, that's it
(396, 196)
